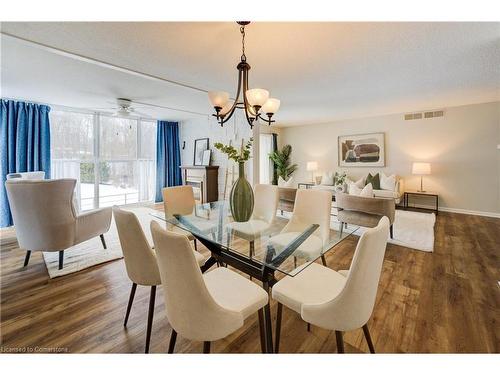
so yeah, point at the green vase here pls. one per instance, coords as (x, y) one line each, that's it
(241, 197)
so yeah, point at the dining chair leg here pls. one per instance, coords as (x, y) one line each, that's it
(61, 259)
(340, 341)
(278, 327)
(262, 332)
(323, 260)
(103, 241)
(206, 347)
(195, 244)
(130, 301)
(27, 258)
(173, 338)
(368, 338)
(150, 316)
(341, 228)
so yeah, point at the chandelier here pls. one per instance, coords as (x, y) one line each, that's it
(255, 102)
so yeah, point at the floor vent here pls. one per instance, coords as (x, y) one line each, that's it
(421, 115)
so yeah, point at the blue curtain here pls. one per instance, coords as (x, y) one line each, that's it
(24, 145)
(168, 157)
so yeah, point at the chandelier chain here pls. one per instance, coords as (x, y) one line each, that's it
(242, 31)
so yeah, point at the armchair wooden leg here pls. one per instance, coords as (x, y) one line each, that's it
(323, 259)
(103, 241)
(368, 338)
(340, 341)
(278, 327)
(262, 332)
(27, 258)
(173, 338)
(206, 347)
(61, 259)
(150, 316)
(391, 232)
(308, 327)
(130, 301)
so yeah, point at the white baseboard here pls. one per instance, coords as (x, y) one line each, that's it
(458, 210)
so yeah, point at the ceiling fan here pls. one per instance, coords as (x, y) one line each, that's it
(125, 108)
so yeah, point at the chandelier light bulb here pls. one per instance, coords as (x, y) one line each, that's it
(218, 98)
(271, 106)
(257, 97)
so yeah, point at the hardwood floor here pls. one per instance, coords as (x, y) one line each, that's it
(446, 301)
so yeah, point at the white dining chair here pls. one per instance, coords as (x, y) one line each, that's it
(202, 307)
(179, 200)
(264, 212)
(140, 261)
(339, 301)
(311, 207)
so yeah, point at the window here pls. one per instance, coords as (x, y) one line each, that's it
(112, 158)
(265, 164)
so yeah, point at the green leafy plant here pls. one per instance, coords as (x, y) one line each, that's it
(281, 160)
(239, 156)
(340, 178)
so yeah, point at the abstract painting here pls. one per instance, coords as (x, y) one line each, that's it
(362, 150)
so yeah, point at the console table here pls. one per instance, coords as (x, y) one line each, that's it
(203, 179)
(407, 194)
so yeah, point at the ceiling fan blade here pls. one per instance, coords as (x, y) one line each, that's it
(142, 114)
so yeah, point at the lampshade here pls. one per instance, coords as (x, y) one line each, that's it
(218, 98)
(271, 106)
(257, 97)
(312, 166)
(421, 168)
(226, 108)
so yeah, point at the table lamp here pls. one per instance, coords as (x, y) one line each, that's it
(311, 167)
(421, 169)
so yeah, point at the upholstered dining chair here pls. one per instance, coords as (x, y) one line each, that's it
(202, 307)
(339, 301)
(311, 207)
(264, 212)
(140, 262)
(45, 219)
(179, 200)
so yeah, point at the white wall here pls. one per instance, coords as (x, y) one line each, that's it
(207, 127)
(461, 147)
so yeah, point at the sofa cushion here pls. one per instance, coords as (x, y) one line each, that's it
(385, 193)
(374, 180)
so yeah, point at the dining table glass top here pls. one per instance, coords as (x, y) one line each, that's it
(287, 249)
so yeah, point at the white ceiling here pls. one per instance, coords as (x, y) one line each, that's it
(320, 71)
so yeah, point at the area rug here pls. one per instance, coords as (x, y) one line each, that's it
(414, 230)
(411, 229)
(90, 253)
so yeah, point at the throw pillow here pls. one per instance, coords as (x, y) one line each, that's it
(327, 179)
(374, 180)
(387, 182)
(353, 189)
(367, 191)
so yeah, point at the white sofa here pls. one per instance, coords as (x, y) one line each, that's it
(395, 194)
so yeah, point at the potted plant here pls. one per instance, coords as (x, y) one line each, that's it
(241, 198)
(281, 160)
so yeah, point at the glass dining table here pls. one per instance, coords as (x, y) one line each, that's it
(257, 248)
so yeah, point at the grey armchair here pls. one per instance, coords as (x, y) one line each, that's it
(364, 211)
(45, 219)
